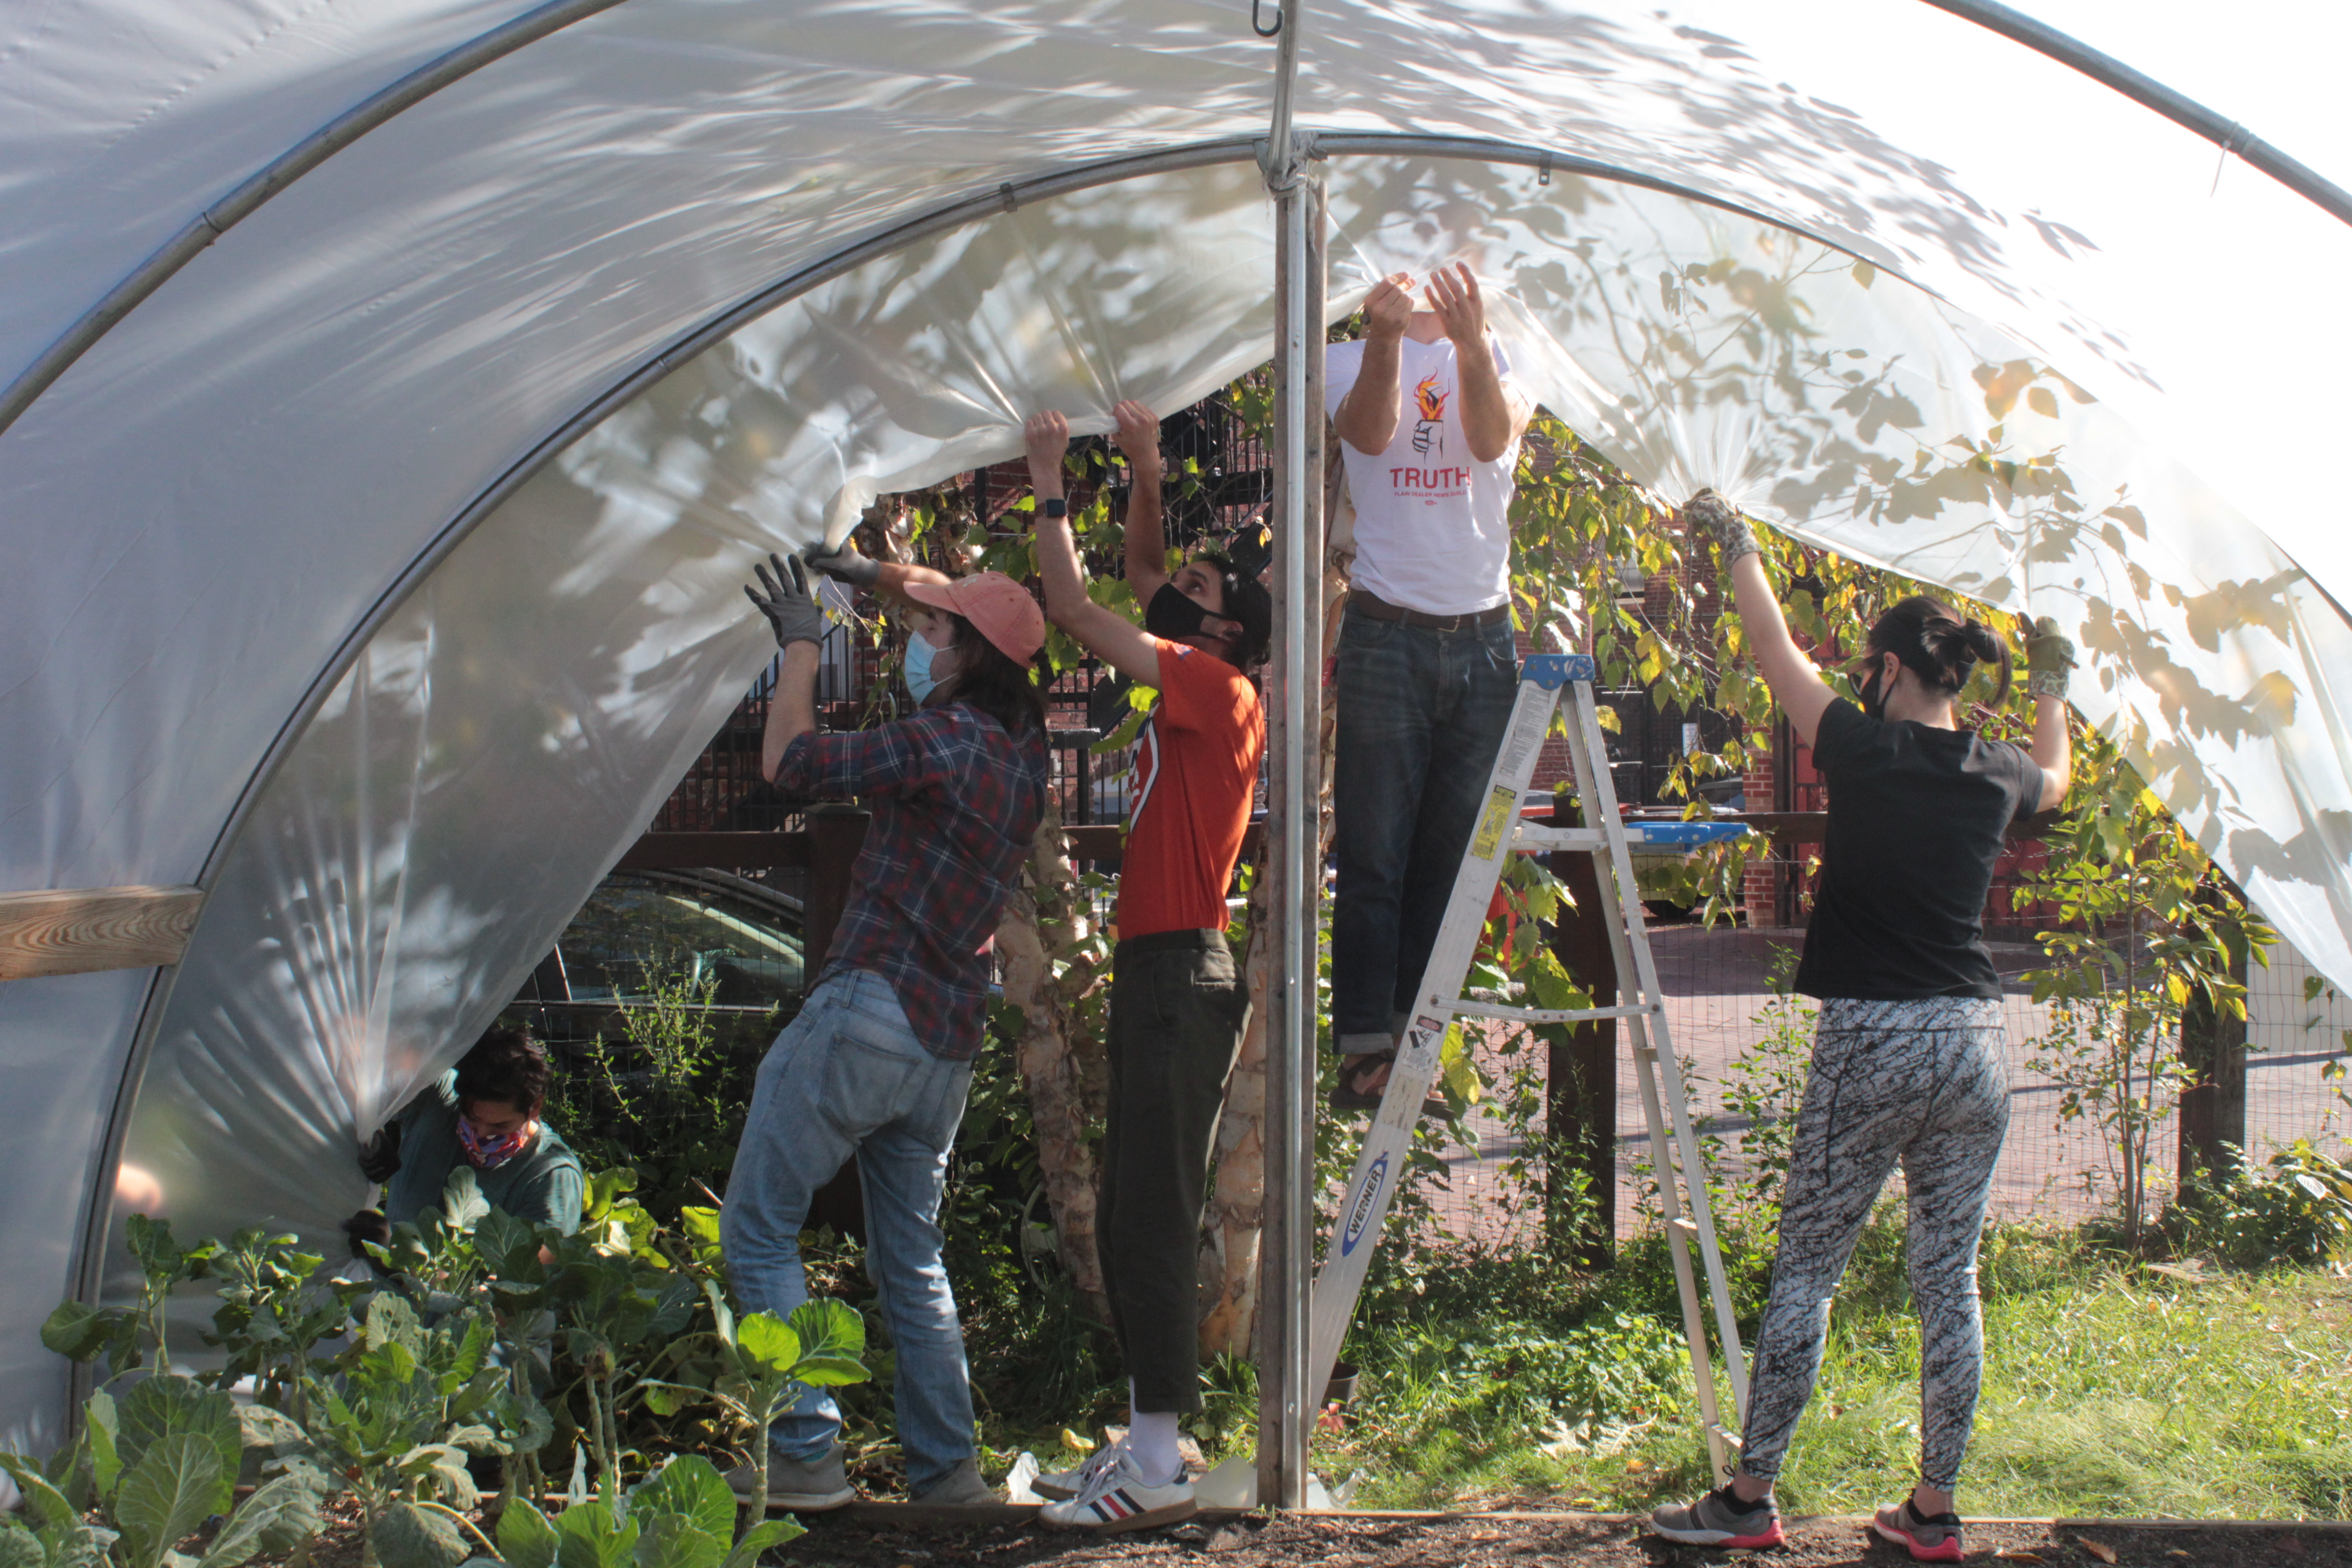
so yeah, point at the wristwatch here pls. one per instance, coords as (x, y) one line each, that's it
(1057, 507)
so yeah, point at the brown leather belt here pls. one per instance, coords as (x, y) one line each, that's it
(1363, 602)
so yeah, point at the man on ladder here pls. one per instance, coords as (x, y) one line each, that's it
(1544, 682)
(1429, 421)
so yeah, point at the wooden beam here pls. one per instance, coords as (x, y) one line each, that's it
(78, 930)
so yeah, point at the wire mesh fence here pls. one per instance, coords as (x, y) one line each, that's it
(1719, 1001)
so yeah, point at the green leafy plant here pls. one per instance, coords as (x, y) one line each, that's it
(393, 1428)
(666, 1099)
(2294, 1208)
(275, 1309)
(768, 1360)
(2148, 924)
(681, 1516)
(125, 1336)
(154, 1468)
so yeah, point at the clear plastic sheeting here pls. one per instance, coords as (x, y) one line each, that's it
(511, 731)
(63, 1045)
(1701, 349)
(231, 500)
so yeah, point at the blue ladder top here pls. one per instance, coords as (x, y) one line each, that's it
(1553, 670)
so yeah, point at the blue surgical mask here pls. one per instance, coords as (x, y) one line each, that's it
(920, 683)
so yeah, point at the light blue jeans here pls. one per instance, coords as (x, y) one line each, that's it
(849, 1076)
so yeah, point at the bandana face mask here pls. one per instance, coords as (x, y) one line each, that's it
(489, 1153)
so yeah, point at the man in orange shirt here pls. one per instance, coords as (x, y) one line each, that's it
(1177, 1004)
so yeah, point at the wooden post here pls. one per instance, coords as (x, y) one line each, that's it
(835, 835)
(2213, 1104)
(1580, 1087)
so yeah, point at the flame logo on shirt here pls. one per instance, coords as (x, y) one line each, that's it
(1430, 402)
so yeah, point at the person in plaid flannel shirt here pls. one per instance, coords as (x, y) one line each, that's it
(879, 1060)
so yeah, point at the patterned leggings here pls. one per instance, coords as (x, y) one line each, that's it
(1925, 1082)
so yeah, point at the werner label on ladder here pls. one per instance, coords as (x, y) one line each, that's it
(1544, 680)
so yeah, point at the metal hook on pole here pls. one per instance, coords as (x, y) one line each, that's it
(1258, 27)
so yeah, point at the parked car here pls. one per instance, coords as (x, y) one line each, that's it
(740, 937)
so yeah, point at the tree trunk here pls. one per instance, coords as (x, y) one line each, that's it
(1064, 1076)
(1231, 1226)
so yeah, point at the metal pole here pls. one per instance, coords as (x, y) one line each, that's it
(1287, 1405)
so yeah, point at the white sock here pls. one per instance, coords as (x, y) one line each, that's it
(1151, 1438)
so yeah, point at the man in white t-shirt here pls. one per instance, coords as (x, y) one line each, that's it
(1429, 421)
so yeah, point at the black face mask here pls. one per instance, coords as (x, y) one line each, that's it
(1174, 615)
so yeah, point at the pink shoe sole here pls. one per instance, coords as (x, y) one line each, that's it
(1947, 1549)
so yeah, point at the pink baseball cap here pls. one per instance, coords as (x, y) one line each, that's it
(1002, 609)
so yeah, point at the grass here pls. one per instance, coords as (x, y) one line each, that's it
(2109, 1389)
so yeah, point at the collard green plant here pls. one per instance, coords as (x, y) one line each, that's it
(125, 1336)
(768, 1360)
(153, 1466)
(275, 1309)
(394, 1428)
(681, 1516)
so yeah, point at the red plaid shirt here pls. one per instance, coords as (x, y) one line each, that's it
(956, 804)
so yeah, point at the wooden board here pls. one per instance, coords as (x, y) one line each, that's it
(78, 930)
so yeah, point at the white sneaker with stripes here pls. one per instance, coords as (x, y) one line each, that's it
(1056, 1485)
(1116, 1497)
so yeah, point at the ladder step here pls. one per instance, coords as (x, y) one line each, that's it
(1717, 1429)
(1530, 837)
(1685, 1223)
(1465, 1006)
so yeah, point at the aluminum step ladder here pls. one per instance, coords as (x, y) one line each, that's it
(1544, 680)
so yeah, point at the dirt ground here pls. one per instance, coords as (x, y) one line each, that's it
(891, 1536)
(868, 1537)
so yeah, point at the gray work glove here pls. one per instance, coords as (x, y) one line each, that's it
(2049, 659)
(1716, 520)
(791, 610)
(842, 562)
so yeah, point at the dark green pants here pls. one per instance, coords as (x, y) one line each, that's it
(1177, 1006)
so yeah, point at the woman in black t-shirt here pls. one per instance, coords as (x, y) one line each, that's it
(1909, 1059)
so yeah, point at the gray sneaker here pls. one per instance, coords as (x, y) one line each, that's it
(959, 1487)
(796, 1486)
(1930, 1538)
(1720, 1519)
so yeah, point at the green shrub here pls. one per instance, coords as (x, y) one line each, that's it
(2297, 1208)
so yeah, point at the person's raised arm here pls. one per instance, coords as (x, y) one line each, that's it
(1104, 633)
(2048, 658)
(798, 621)
(1493, 415)
(1796, 685)
(1147, 540)
(1368, 415)
(842, 562)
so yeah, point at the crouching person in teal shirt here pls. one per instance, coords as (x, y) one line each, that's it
(485, 1113)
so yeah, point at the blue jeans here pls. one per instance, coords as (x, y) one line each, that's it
(1421, 713)
(848, 1076)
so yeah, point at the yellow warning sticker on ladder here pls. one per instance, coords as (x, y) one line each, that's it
(1495, 822)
